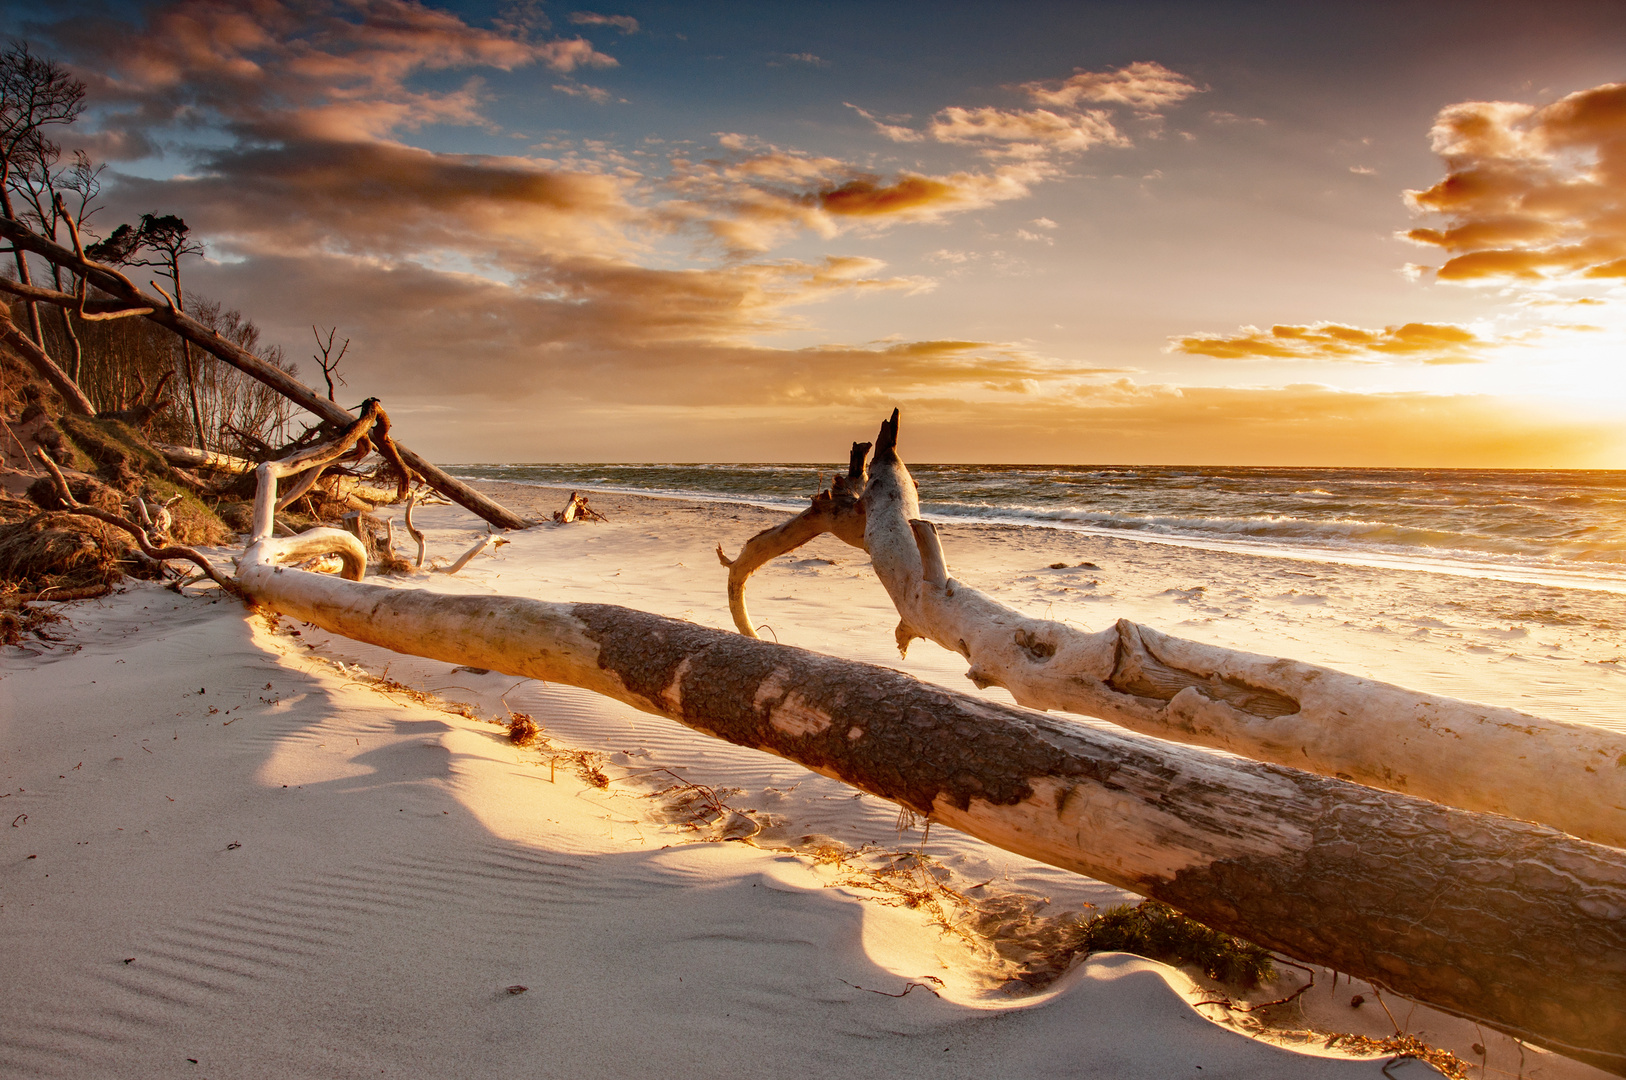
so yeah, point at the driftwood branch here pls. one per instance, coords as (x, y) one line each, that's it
(576, 509)
(837, 510)
(192, 458)
(124, 291)
(468, 556)
(415, 532)
(321, 456)
(158, 552)
(1301, 715)
(1515, 924)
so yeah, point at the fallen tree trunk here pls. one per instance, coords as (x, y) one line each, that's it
(1301, 715)
(191, 457)
(1515, 924)
(73, 397)
(120, 287)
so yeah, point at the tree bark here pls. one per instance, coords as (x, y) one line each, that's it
(1304, 716)
(1512, 923)
(120, 287)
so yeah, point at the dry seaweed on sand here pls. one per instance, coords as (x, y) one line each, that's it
(1156, 930)
(22, 621)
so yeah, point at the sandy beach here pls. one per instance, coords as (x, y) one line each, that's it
(235, 846)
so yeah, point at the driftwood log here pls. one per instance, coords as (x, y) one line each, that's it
(1514, 924)
(126, 296)
(1477, 757)
(576, 509)
(190, 457)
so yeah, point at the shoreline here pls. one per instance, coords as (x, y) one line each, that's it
(372, 914)
(1584, 579)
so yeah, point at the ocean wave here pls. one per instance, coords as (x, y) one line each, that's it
(1531, 518)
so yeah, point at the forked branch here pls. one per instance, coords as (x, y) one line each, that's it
(837, 510)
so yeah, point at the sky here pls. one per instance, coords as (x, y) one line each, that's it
(1339, 234)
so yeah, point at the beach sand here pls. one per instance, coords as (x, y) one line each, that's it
(234, 846)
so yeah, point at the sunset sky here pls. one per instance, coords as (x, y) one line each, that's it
(1133, 232)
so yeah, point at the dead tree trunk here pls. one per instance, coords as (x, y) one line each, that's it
(120, 287)
(41, 362)
(191, 458)
(1512, 923)
(1301, 715)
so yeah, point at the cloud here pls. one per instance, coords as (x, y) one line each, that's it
(389, 200)
(595, 94)
(1065, 126)
(613, 333)
(1423, 343)
(624, 23)
(1530, 193)
(756, 200)
(895, 132)
(1026, 132)
(322, 68)
(1145, 87)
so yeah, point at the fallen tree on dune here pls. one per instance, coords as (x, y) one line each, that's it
(1515, 924)
(122, 298)
(1300, 715)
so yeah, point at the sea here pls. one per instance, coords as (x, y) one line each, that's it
(1555, 527)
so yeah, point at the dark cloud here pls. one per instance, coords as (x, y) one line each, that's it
(319, 68)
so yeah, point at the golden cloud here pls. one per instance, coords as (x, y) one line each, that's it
(1026, 130)
(1424, 343)
(866, 197)
(1530, 193)
(754, 202)
(1146, 87)
(1066, 126)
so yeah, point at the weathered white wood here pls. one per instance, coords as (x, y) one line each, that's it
(836, 510)
(415, 532)
(191, 457)
(465, 558)
(1302, 715)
